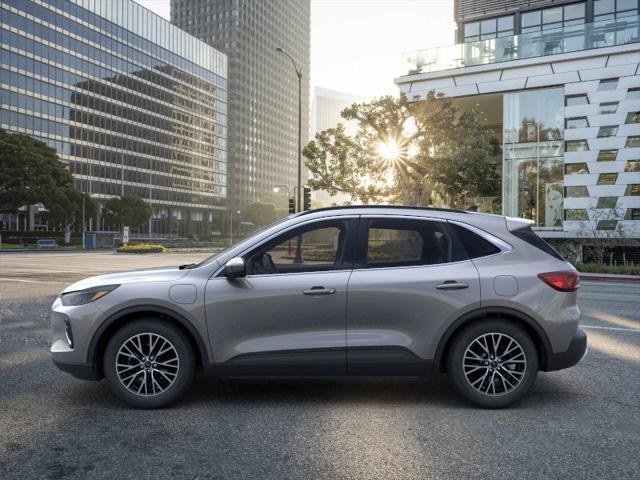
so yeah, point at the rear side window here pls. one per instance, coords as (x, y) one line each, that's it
(400, 242)
(531, 238)
(474, 245)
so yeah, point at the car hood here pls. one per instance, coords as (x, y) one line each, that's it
(162, 274)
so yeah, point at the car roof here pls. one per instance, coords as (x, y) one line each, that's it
(464, 216)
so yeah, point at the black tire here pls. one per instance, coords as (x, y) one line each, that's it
(185, 370)
(500, 394)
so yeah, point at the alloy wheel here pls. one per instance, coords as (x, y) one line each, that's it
(494, 364)
(147, 364)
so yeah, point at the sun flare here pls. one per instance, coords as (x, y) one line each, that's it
(389, 150)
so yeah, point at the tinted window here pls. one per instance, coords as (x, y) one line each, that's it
(531, 238)
(305, 249)
(392, 243)
(474, 245)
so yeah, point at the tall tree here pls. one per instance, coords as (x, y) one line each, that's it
(30, 172)
(129, 210)
(403, 152)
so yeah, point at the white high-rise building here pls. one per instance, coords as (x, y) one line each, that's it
(560, 82)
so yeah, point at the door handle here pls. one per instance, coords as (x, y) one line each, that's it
(452, 285)
(320, 291)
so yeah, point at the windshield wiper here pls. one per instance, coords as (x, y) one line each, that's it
(187, 266)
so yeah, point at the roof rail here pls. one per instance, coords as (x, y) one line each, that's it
(399, 207)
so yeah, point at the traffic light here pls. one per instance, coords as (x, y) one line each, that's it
(292, 206)
(306, 199)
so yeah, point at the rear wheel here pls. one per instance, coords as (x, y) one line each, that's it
(492, 363)
(149, 363)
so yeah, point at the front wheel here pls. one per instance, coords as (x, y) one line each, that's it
(149, 363)
(492, 363)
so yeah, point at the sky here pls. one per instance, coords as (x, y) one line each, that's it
(357, 45)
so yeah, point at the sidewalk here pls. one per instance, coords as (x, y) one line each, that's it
(609, 277)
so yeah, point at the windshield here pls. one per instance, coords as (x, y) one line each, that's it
(241, 241)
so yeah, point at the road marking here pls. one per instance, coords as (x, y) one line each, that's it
(637, 330)
(4, 279)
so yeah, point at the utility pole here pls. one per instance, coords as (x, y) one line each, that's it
(299, 75)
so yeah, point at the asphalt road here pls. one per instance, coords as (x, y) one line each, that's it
(583, 422)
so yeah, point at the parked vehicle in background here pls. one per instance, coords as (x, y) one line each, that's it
(350, 291)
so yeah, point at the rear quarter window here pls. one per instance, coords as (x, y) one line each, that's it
(529, 236)
(470, 244)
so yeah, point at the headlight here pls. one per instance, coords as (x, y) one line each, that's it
(86, 296)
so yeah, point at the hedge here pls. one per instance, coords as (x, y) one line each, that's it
(141, 248)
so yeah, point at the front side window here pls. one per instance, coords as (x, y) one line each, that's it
(401, 243)
(305, 249)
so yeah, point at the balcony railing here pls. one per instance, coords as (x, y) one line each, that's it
(601, 34)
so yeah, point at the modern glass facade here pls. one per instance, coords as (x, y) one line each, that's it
(263, 87)
(533, 156)
(132, 104)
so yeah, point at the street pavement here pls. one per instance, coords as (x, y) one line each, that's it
(583, 422)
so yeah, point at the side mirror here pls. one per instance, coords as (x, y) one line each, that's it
(235, 268)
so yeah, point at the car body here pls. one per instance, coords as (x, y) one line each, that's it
(355, 291)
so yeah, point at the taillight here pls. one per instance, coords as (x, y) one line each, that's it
(561, 281)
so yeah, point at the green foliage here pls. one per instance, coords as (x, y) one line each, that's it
(261, 214)
(616, 269)
(31, 173)
(66, 208)
(434, 149)
(141, 248)
(129, 210)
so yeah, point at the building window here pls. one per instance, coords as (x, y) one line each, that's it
(609, 131)
(632, 214)
(552, 18)
(576, 192)
(576, 168)
(607, 155)
(632, 166)
(610, 9)
(573, 100)
(633, 94)
(633, 190)
(576, 146)
(533, 177)
(607, 202)
(489, 28)
(607, 224)
(608, 107)
(607, 85)
(633, 142)
(576, 122)
(633, 117)
(607, 178)
(576, 214)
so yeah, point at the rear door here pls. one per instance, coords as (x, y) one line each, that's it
(406, 288)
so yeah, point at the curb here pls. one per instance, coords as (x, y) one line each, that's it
(603, 278)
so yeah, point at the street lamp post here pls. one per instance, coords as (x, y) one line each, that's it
(299, 75)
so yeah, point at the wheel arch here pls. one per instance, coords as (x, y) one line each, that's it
(121, 318)
(530, 325)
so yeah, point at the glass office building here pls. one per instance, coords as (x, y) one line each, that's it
(131, 103)
(561, 84)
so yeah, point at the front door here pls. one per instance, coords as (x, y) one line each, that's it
(404, 292)
(287, 316)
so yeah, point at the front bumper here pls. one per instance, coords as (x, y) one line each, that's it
(576, 352)
(79, 370)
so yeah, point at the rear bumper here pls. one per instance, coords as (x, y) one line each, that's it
(576, 351)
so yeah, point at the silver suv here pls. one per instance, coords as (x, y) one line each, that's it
(355, 291)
